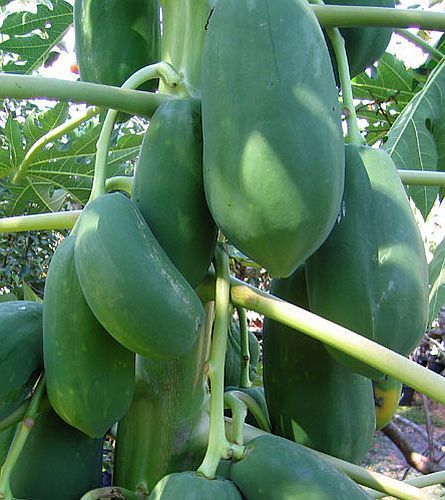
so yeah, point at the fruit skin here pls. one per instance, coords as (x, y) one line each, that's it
(21, 357)
(232, 366)
(58, 462)
(89, 375)
(387, 394)
(364, 45)
(312, 399)
(113, 39)
(160, 433)
(131, 286)
(371, 274)
(274, 468)
(273, 156)
(168, 188)
(190, 486)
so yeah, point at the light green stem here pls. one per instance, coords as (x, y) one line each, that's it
(255, 410)
(422, 177)
(15, 417)
(420, 42)
(424, 481)
(245, 350)
(135, 102)
(39, 222)
(346, 16)
(168, 76)
(49, 137)
(20, 440)
(239, 414)
(340, 338)
(119, 183)
(218, 445)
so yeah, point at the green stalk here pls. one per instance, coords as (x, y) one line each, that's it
(134, 102)
(424, 481)
(331, 16)
(254, 408)
(51, 136)
(20, 440)
(15, 417)
(218, 445)
(338, 44)
(340, 338)
(169, 77)
(119, 183)
(422, 177)
(245, 352)
(239, 414)
(39, 222)
(420, 42)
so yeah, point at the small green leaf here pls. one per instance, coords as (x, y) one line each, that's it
(30, 294)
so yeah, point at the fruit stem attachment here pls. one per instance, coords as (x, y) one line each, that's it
(245, 351)
(254, 408)
(20, 440)
(239, 414)
(49, 137)
(160, 70)
(218, 445)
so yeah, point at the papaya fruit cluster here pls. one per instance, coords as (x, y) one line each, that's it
(256, 152)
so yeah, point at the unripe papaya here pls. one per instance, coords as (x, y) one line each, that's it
(273, 156)
(168, 188)
(387, 394)
(371, 274)
(274, 468)
(130, 284)
(313, 399)
(21, 358)
(89, 375)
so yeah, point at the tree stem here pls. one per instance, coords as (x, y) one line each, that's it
(245, 350)
(420, 42)
(346, 16)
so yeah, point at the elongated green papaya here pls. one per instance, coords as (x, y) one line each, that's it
(157, 435)
(191, 486)
(364, 45)
(313, 399)
(273, 156)
(58, 462)
(387, 394)
(89, 375)
(130, 284)
(21, 359)
(168, 188)
(274, 468)
(113, 39)
(371, 274)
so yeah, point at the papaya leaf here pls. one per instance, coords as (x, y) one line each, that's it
(437, 281)
(30, 294)
(417, 139)
(32, 35)
(14, 138)
(37, 124)
(63, 171)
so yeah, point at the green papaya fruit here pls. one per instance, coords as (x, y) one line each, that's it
(130, 284)
(191, 486)
(280, 139)
(232, 367)
(168, 188)
(157, 435)
(313, 399)
(371, 274)
(184, 25)
(274, 468)
(387, 394)
(113, 39)
(89, 375)
(21, 358)
(57, 462)
(364, 45)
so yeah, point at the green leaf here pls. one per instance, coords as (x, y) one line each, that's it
(38, 124)
(32, 35)
(437, 282)
(15, 140)
(417, 138)
(30, 294)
